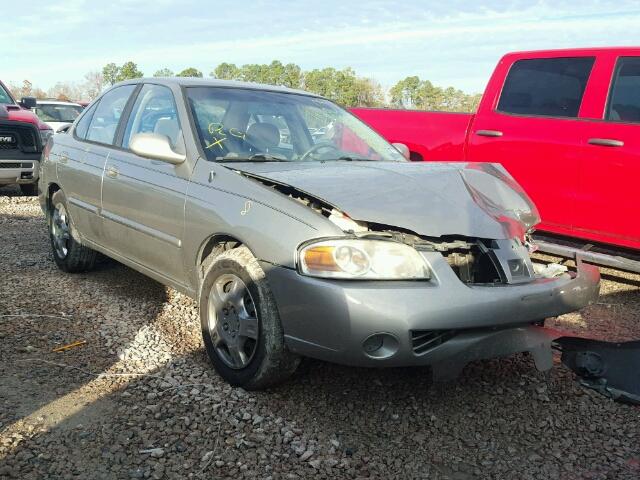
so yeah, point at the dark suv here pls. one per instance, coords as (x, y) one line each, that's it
(22, 139)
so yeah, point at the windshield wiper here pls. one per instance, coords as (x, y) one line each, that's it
(258, 157)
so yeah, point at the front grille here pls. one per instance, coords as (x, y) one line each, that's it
(424, 340)
(16, 165)
(26, 137)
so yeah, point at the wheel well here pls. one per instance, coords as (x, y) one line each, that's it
(220, 243)
(53, 188)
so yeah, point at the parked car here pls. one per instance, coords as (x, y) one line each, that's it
(57, 114)
(566, 125)
(339, 250)
(22, 137)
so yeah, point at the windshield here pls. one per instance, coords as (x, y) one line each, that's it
(5, 98)
(53, 112)
(235, 124)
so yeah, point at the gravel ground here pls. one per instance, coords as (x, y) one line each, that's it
(139, 400)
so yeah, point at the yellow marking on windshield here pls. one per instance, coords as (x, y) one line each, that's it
(218, 142)
(234, 132)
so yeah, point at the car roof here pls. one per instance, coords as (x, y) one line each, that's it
(213, 82)
(56, 102)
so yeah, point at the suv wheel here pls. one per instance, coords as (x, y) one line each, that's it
(240, 322)
(29, 189)
(68, 254)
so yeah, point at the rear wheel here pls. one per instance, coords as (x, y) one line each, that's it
(240, 322)
(29, 189)
(68, 254)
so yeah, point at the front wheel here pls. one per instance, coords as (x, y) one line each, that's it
(240, 322)
(68, 254)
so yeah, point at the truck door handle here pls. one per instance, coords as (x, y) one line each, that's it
(112, 172)
(606, 142)
(489, 133)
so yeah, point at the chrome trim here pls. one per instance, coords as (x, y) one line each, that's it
(84, 205)
(152, 232)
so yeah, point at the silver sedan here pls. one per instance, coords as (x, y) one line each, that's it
(302, 232)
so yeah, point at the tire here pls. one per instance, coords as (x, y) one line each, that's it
(69, 255)
(29, 189)
(240, 323)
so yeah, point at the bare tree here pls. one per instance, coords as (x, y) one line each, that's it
(92, 86)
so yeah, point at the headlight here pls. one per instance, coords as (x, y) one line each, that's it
(45, 135)
(362, 259)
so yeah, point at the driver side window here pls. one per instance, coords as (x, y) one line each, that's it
(155, 112)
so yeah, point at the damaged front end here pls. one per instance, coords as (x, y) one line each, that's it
(481, 296)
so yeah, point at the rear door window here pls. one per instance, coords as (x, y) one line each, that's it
(624, 99)
(83, 124)
(551, 87)
(107, 115)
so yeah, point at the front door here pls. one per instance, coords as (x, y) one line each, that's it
(142, 199)
(533, 130)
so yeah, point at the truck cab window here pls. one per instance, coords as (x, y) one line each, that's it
(551, 87)
(624, 99)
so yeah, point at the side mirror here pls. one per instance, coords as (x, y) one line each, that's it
(403, 149)
(155, 147)
(28, 102)
(64, 128)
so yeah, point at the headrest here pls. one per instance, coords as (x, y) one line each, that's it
(168, 127)
(263, 135)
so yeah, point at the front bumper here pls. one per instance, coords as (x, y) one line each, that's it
(18, 171)
(332, 320)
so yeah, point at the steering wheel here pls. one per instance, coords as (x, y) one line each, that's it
(317, 147)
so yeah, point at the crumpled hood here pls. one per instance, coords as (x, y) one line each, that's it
(430, 199)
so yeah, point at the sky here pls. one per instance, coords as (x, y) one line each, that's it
(451, 43)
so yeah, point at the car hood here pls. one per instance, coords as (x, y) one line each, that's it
(431, 199)
(14, 113)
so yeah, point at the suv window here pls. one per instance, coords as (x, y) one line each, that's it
(107, 114)
(154, 112)
(624, 99)
(551, 87)
(83, 124)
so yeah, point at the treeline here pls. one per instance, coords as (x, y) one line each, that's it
(342, 86)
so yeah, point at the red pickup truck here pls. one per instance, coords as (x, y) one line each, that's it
(566, 125)
(22, 138)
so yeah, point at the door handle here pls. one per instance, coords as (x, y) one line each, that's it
(112, 172)
(606, 142)
(64, 157)
(489, 133)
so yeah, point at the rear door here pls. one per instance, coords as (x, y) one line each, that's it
(608, 192)
(532, 127)
(142, 199)
(81, 160)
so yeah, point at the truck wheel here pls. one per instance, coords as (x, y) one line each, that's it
(240, 322)
(68, 254)
(29, 189)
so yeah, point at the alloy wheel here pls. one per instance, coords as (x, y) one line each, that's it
(232, 321)
(60, 231)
